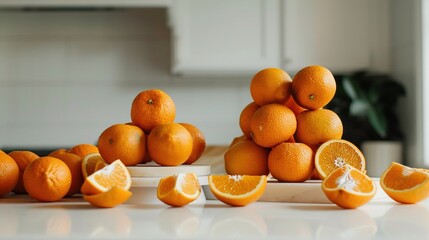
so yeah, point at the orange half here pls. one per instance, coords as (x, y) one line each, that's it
(179, 189)
(91, 163)
(237, 190)
(109, 199)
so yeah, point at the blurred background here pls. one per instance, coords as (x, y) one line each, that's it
(70, 68)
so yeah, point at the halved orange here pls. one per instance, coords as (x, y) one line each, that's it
(91, 163)
(113, 175)
(336, 153)
(109, 199)
(348, 187)
(404, 184)
(179, 189)
(237, 190)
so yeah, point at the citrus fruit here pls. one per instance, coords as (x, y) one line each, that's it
(115, 174)
(122, 141)
(291, 162)
(291, 103)
(198, 142)
(179, 189)
(272, 124)
(238, 139)
(9, 174)
(22, 159)
(83, 149)
(313, 87)
(315, 127)
(348, 187)
(404, 184)
(110, 198)
(74, 162)
(237, 190)
(151, 108)
(246, 158)
(334, 154)
(270, 85)
(245, 116)
(170, 144)
(57, 152)
(92, 163)
(47, 179)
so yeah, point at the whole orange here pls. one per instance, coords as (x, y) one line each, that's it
(47, 179)
(123, 141)
(318, 126)
(238, 139)
(9, 174)
(272, 124)
(313, 87)
(74, 162)
(57, 152)
(22, 158)
(151, 108)
(270, 85)
(291, 162)
(83, 149)
(170, 144)
(199, 142)
(245, 116)
(246, 158)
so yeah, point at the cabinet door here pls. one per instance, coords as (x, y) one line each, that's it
(225, 37)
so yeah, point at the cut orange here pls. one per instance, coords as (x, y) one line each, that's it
(109, 199)
(348, 187)
(404, 184)
(113, 175)
(91, 163)
(237, 190)
(179, 189)
(336, 153)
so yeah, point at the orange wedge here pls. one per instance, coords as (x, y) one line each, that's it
(348, 187)
(179, 189)
(237, 190)
(91, 163)
(113, 175)
(336, 153)
(404, 184)
(109, 199)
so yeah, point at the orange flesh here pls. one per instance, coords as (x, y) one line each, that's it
(233, 185)
(190, 188)
(356, 180)
(409, 178)
(111, 173)
(337, 155)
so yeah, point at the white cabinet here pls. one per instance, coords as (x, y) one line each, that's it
(225, 37)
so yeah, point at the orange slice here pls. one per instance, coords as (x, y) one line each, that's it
(404, 184)
(336, 153)
(237, 190)
(348, 187)
(91, 163)
(109, 199)
(113, 175)
(179, 189)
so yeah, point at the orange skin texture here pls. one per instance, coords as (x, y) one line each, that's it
(112, 198)
(83, 149)
(270, 85)
(22, 158)
(74, 162)
(198, 142)
(246, 158)
(245, 116)
(9, 174)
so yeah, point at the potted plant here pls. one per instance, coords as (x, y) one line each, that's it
(366, 102)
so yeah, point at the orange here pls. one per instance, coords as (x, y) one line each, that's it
(238, 139)
(92, 163)
(122, 141)
(245, 116)
(57, 152)
(198, 142)
(179, 190)
(110, 198)
(272, 124)
(294, 106)
(270, 85)
(114, 175)
(334, 154)
(291, 162)
(313, 87)
(74, 162)
(47, 179)
(9, 174)
(170, 144)
(83, 149)
(315, 127)
(246, 158)
(404, 184)
(22, 158)
(348, 187)
(237, 190)
(151, 108)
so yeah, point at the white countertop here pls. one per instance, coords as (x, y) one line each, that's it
(73, 218)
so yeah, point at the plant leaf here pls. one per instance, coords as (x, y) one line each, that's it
(349, 88)
(378, 121)
(359, 108)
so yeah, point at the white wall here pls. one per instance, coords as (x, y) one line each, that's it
(66, 76)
